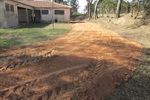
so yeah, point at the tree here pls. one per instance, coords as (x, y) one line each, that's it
(74, 4)
(146, 5)
(118, 8)
(89, 8)
(58, 1)
(107, 7)
(138, 9)
(95, 9)
(65, 2)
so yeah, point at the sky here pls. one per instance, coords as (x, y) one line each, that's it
(82, 4)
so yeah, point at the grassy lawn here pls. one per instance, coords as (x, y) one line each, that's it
(138, 86)
(31, 34)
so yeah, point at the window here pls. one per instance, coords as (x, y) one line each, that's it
(59, 12)
(44, 11)
(7, 7)
(12, 8)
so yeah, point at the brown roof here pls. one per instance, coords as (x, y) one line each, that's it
(42, 4)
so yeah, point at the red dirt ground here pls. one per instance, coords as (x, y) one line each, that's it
(86, 64)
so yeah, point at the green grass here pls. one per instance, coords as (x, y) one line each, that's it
(31, 34)
(138, 86)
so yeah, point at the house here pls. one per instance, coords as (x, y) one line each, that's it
(14, 12)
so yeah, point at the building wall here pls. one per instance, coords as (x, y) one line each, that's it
(62, 18)
(52, 15)
(2, 13)
(45, 17)
(9, 18)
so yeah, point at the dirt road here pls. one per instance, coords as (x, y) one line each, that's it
(87, 63)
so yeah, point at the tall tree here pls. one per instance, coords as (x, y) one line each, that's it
(89, 8)
(96, 6)
(138, 9)
(118, 8)
(75, 5)
(146, 5)
(107, 7)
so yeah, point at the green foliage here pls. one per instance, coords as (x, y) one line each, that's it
(108, 6)
(31, 34)
(111, 5)
(124, 8)
(92, 7)
(146, 4)
(62, 2)
(108, 3)
(58, 1)
(75, 5)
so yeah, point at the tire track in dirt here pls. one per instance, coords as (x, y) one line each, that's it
(22, 59)
(23, 89)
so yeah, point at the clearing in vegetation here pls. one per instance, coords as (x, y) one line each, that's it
(89, 62)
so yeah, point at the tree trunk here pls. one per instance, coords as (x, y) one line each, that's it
(138, 9)
(89, 9)
(101, 11)
(132, 8)
(118, 8)
(95, 9)
(128, 9)
(114, 10)
(89, 13)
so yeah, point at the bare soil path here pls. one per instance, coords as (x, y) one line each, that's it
(91, 62)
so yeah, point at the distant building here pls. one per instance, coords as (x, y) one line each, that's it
(14, 12)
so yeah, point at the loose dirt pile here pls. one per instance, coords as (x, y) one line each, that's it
(88, 63)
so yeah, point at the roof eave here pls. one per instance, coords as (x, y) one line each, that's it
(23, 3)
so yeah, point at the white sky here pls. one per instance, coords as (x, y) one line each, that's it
(82, 4)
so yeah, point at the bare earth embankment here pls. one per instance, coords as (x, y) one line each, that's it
(87, 63)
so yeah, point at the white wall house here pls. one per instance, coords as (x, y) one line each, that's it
(14, 12)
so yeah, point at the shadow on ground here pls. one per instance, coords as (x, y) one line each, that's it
(138, 87)
(103, 80)
(34, 25)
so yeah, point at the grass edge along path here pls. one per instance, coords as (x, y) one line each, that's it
(31, 34)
